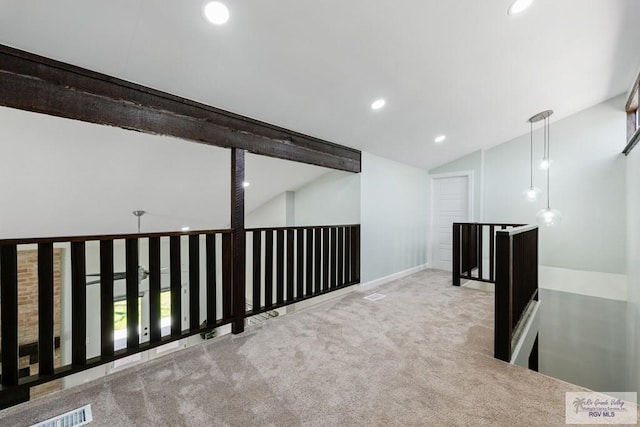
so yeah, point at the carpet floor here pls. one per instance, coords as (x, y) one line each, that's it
(421, 356)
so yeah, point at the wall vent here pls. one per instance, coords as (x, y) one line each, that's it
(375, 297)
(77, 417)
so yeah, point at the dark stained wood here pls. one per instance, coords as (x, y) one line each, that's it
(45, 309)
(9, 314)
(155, 284)
(347, 255)
(78, 304)
(309, 261)
(239, 240)
(106, 298)
(268, 268)
(355, 253)
(333, 257)
(257, 269)
(503, 308)
(194, 281)
(318, 261)
(457, 247)
(210, 242)
(227, 275)
(325, 258)
(33, 83)
(341, 256)
(133, 337)
(290, 263)
(299, 263)
(479, 231)
(176, 285)
(279, 266)
(492, 239)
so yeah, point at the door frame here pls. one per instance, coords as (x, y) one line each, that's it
(470, 211)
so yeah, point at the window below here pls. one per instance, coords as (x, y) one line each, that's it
(633, 117)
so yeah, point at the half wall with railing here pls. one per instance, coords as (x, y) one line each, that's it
(511, 263)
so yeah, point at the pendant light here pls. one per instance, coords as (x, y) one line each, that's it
(532, 193)
(547, 217)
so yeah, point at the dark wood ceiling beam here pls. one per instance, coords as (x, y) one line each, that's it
(34, 83)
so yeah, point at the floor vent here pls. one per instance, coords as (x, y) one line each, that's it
(77, 417)
(375, 297)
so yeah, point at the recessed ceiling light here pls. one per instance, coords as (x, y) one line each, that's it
(519, 6)
(245, 184)
(217, 13)
(378, 104)
(439, 139)
(185, 229)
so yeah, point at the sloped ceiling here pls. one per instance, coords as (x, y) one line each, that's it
(463, 68)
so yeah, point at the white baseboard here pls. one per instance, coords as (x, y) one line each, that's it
(395, 276)
(590, 283)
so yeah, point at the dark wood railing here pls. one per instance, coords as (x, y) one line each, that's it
(512, 256)
(308, 261)
(318, 260)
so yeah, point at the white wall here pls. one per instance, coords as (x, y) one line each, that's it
(633, 265)
(587, 186)
(394, 217)
(277, 212)
(332, 199)
(471, 162)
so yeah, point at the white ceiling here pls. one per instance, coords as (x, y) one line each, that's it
(463, 68)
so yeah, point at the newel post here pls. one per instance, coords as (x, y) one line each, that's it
(457, 254)
(239, 240)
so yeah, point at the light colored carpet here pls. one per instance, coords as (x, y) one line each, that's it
(420, 356)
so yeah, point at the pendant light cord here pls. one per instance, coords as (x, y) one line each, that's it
(531, 157)
(548, 145)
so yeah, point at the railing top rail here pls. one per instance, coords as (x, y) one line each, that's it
(495, 224)
(36, 240)
(301, 227)
(519, 230)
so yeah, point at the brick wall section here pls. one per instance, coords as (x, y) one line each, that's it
(28, 310)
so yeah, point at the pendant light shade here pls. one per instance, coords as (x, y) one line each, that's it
(548, 217)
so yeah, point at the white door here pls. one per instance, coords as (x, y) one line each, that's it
(450, 204)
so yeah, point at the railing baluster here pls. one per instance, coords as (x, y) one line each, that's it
(227, 268)
(492, 239)
(325, 259)
(479, 231)
(334, 256)
(45, 309)
(457, 254)
(257, 264)
(299, 263)
(211, 279)
(310, 258)
(155, 284)
(280, 266)
(194, 281)
(318, 261)
(106, 298)
(290, 264)
(9, 313)
(176, 285)
(347, 255)
(355, 252)
(133, 276)
(340, 256)
(268, 268)
(78, 304)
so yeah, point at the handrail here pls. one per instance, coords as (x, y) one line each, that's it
(101, 237)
